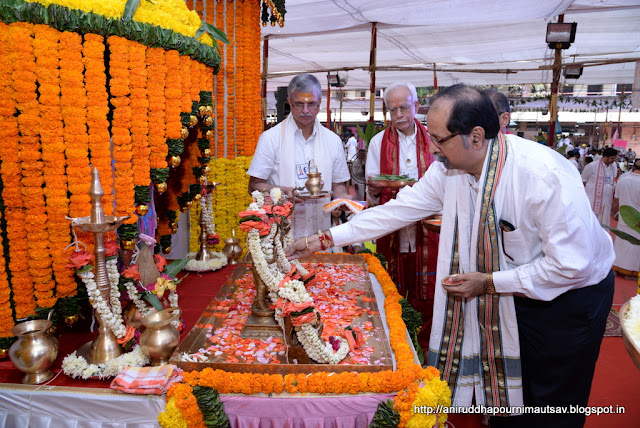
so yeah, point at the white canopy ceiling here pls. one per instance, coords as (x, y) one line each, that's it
(456, 35)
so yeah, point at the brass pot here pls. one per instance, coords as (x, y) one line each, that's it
(142, 209)
(160, 338)
(184, 133)
(314, 183)
(132, 315)
(208, 121)
(193, 120)
(128, 244)
(34, 351)
(206, 152)
(175, 161)
(161, 187)
(232, 248)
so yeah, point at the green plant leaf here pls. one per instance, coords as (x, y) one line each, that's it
(623, 235)
(214, 32)
(631, 217)
(130, 9)
(173, 268)
(153, 300)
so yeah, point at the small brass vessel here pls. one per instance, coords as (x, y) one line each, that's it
(160, 338)
(34, 351)
(314, 183)
(232, 248)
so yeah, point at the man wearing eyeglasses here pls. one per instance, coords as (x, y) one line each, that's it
(411, 252)
(283, 154)
(522, 320)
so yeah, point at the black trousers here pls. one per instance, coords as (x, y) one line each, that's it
(559, 345)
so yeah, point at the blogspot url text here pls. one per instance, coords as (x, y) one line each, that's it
(491, 410)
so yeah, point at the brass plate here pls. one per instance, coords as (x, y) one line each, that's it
(196, 339)
(307, 195)
(390, 184)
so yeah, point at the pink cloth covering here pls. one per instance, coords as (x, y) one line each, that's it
(302, 411)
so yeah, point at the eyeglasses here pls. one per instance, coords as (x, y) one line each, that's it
(443, 139)
(311, 106)
(404, 109)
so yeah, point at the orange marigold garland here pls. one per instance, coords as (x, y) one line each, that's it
(24, 74)
(6, 314)
(74, 114)
(156, 77)
(46, 46)
(95, 79)
(138, 80)
(120, 89)
(185, 80)
(406, 379)
(21, 280)
(8, 135)
(173, 95)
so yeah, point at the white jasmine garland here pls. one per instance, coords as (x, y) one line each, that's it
(77, 367)
(217, 261)
(110, 314)
(132, 292)
(632, 320)
(272, 274)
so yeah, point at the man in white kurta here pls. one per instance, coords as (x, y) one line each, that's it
(551, 278)
(599, 182)
(283, 154)
(627, 193)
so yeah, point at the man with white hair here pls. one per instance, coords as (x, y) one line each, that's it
(283, 153)
(403, 149)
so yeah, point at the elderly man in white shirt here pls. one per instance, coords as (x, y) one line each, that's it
(522, 317)
(283, 154)
(412, 252)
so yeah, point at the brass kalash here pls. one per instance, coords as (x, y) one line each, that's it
(261, 322)
(104, 347)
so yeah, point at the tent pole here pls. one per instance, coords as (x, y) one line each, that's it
(372, 71)
(265, 66)
(553, 103)
(328, 125)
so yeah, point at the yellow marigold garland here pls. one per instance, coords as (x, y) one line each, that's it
(46, 46)
(21, 281)
(229, 198)
(406, 379)
(170, 14)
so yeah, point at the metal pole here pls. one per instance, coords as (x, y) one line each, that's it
(265, 66)
(328, 102)
(553, 103)
(372, 71)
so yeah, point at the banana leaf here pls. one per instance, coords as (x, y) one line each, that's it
(130, 9)
(173, 268)
(631, 217)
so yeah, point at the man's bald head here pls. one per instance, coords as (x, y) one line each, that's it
(469, 109)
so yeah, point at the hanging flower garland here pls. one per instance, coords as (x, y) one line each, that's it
(46, 46)
(6, 314)
(139, 97)
(21, 281)
(156, 80)
(95, 78)
(24, 85)
(120, 90)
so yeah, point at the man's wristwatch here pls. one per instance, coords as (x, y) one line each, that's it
(490, 288)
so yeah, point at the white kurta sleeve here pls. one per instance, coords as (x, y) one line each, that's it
(411, 204)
